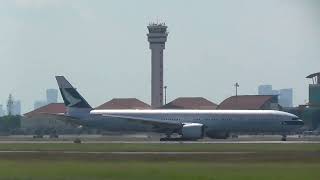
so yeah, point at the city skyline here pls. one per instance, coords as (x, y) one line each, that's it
(102, 48)
(265, 89)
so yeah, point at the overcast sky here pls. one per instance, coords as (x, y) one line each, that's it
(101, 47)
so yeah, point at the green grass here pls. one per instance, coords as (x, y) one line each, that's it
(183, 147)
(164, 170)
(268, 162)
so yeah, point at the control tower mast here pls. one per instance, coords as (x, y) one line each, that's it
(157, 38)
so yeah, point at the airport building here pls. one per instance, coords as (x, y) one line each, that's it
(37, 122)
(124, 103)
(190, 103)
(250, 102)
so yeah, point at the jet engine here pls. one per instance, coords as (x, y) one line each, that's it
(192, 131)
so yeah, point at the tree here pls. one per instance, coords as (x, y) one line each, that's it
(9, 123)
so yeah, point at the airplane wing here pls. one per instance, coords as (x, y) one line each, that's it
(157, 124)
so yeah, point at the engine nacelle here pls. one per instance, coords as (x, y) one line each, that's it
(192, 131)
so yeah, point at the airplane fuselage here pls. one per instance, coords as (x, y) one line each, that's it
(190, 124)
(214, 121)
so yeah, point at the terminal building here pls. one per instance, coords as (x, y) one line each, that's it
(190, 103)
(250, 102)
(124, 103)
(37, 122)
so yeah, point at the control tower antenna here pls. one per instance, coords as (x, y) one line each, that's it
(236, 85)
(157, 38)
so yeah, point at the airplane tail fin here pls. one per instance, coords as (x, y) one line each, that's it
(76, 105)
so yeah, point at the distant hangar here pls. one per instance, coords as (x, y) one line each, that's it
(250, 102)
(190, 103)
(124, 103)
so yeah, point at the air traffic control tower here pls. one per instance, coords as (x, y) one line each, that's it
(314, 89)
(157, 38)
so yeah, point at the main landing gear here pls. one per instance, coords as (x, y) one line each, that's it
(284, 138)
(175, 139)
(169, 138)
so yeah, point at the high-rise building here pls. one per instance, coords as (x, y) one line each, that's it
(157, 38)
(16, 108)
(10, 105)
(285, 97)
(38, 104)
(275, 92)
(265, 90)
(52, 96)
(13, 106)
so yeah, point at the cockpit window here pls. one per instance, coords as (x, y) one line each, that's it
(295, 118)
(292, 123)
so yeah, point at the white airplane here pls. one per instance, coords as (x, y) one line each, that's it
(188, 124)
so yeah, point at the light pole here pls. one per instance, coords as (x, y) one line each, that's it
(165, 95)
(236, 85)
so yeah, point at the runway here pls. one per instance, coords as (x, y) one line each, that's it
(153, 142)
(154, 139)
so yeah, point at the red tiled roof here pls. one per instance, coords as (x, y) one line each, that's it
(246, 102)
(53, 108)
(124, 103)
(190, 103)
